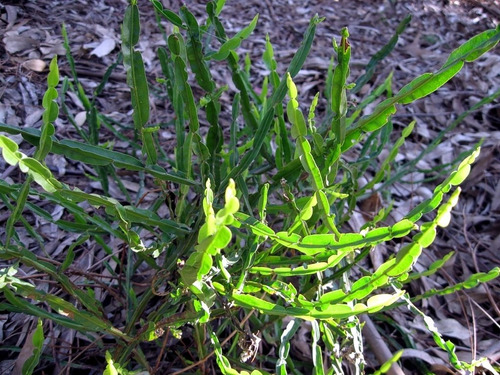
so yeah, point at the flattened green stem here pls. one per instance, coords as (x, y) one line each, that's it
(276, 99)
(425, 84)
(21, 202)
(381, 54)
(96, 155)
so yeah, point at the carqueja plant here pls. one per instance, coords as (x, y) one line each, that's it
(254, 243)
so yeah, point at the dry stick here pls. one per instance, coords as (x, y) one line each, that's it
(271, 10)
(484, 311)
(378, 345)
(474, 332)
(72, 360)
(53, 341)
(158, 361)
(472, 252)
(372, 336)
(196, 364)
(493, 303)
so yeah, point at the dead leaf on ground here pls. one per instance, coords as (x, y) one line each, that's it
(36, 65)
(452, 328)
(103, 49)
(18, 43)
(26, 351)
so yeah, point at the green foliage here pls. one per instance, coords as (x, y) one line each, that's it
(37, 340)
(276, 246)
(387, 365)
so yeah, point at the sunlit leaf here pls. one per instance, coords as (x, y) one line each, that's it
(235, 41)
(9, 150)
(168, 14)
(110, 367)
(37, 344)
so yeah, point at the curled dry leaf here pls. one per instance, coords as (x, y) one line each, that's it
(104, 48)
(80, 118)
(33, 117)
(59, 162)
(36, 65)
(452, 328)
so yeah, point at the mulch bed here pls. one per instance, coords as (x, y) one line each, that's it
(30, 34)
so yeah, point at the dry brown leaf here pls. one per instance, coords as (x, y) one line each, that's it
(17, 43)
(452, 328)
(104, 48)
(26, 351)
(11, 16)
(490, 349)
(51, 48)
(480, 166)
(33, 117)
(301, 341)
(441, 370)
(80, 118)
(59, 162)
(6, 366)
(36, 65)
(424, 356)
(370, 206)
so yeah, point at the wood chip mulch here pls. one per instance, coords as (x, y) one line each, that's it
(30, 34)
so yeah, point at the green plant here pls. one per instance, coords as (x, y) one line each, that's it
(255, 235)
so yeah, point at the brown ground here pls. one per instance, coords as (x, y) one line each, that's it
(30, 34)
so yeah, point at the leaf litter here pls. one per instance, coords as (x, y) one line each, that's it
(32, 36)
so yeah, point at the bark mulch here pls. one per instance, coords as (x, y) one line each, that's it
(30, 34)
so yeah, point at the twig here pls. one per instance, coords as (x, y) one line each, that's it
(158, 361)
(370, 333)
(80, 353)
(201, 361)
(476, 265)
(271, 10)
(378, 345)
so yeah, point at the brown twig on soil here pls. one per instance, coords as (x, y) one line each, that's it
(201, 361)
(271, 10)
(378, 345)
(370, 333)
(67, 367)
(487, 7)
(98, 73)
(164, 345)
(476, 266)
